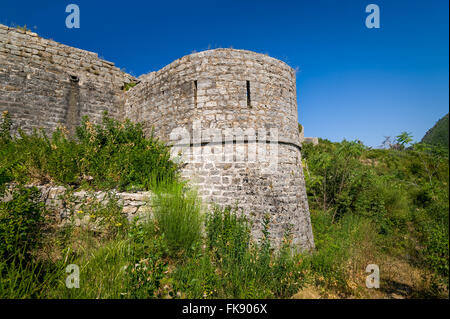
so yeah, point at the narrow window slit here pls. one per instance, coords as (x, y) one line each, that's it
(195, 93)
(249, 101)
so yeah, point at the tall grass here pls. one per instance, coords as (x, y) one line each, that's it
(177, 213)
(232, 265)
(23, 280)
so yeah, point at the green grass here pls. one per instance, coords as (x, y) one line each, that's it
(367, 206)
(177, 213)
(109, 155)
(400, 197)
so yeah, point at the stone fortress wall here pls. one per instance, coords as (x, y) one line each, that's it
(222, 88)
(44, 84)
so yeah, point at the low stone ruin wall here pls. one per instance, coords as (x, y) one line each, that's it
(68, 203)
(58, 198)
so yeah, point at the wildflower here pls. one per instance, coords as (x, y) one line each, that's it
(80, 212)
(118, 224)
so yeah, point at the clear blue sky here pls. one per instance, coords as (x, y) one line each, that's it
(353, 82)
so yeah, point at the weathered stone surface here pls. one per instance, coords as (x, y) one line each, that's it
(57, 198)
(44, 84)
(213, 88)
(312, 140)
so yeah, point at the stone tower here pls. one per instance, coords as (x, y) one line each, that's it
(220, 107)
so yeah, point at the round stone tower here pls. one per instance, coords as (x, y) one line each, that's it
(232, 116)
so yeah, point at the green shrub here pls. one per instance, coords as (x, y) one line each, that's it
(338, 244)
(402, 194)
(5, 138)
(117, 154)
(337, 179)
(146, 272)
(5, 127)
(228, 234)
(234, 266)
(20, 220)
(128, 86)
(109, 155)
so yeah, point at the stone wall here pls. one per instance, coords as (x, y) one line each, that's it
(44, 83)
(281, 193)
(311, 140)
(223, 89)
(67, 204)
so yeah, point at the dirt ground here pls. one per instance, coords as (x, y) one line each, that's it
(398, 280)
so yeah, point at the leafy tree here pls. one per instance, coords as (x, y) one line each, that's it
(404, 139)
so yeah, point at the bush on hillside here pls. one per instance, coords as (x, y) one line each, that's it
(109, 155)
(20, 219)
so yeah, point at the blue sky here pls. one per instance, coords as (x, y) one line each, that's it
(353, 82)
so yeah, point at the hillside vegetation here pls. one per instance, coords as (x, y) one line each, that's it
(368, 206)
(381, 206)
(438, 134)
